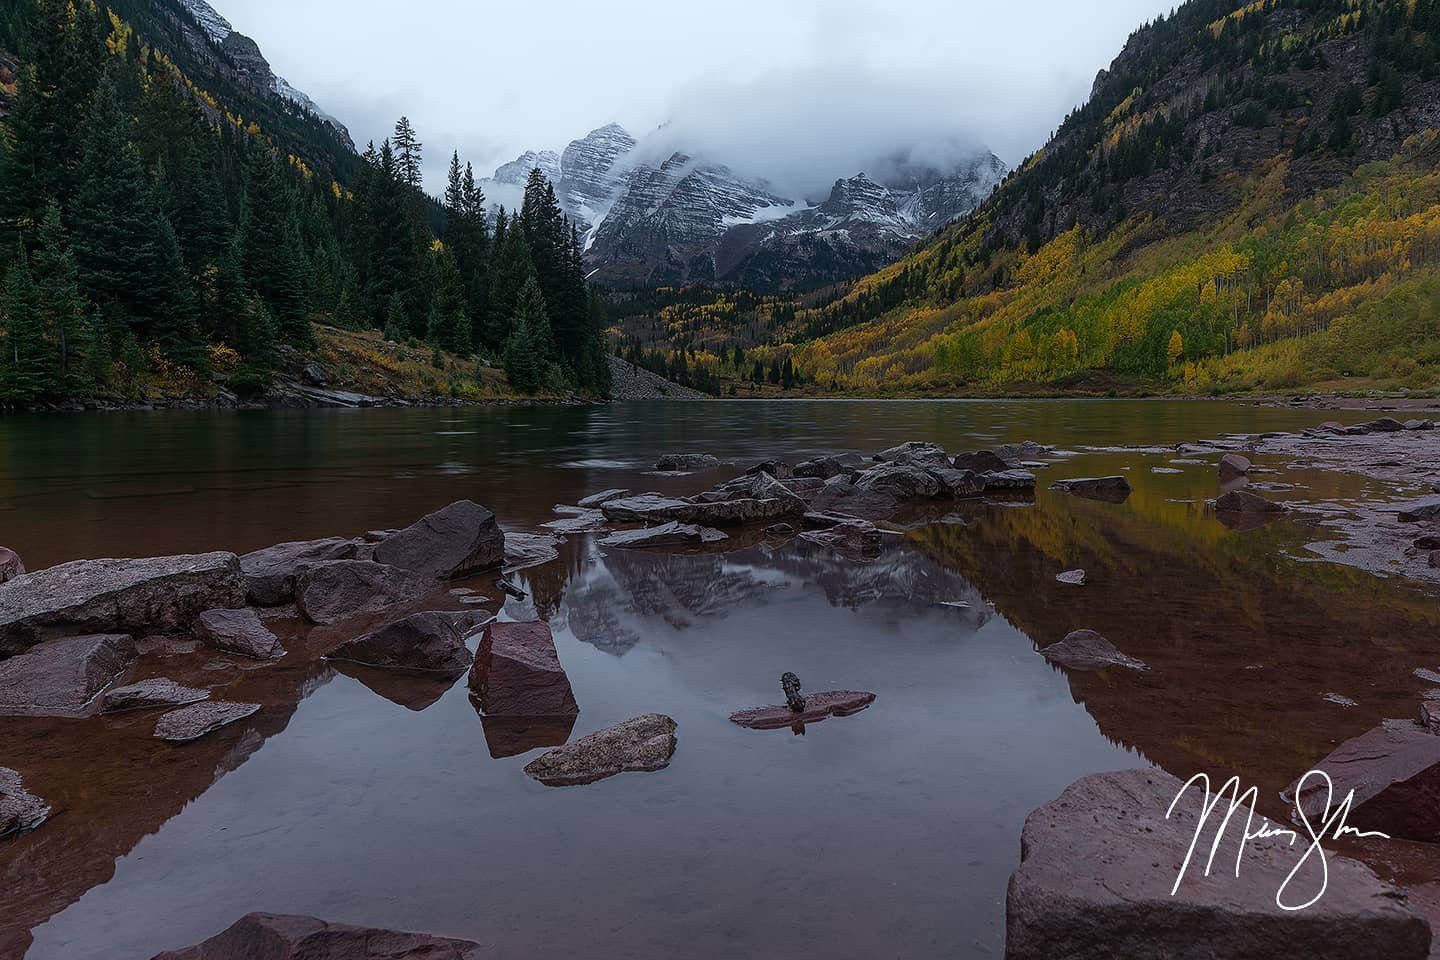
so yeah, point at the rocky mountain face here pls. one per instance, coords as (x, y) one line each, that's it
(684, 218)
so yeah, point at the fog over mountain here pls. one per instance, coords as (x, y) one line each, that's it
(810, 89)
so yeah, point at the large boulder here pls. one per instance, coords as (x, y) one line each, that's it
(153, 595)
(20, 810)
(916, 453)
(149, 694)
(666, 535)
(642, 744)
(839, 495)
(823, 468)
(818, 706)
(270, 573)
(10, 565)
(268, 936)
(1098, 865)
(901, 481)
(753, 486)
(682, 462)
(455, 541)
(981, 461)
(517, 673)
(61, 677)
(197, 720)
(239, 632)
(1085, 650)
(1394, 770)
(330, 592)
(1109, 489)
(423, 641)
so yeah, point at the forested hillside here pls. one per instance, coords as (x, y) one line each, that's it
(152, 231)
(1248, 200)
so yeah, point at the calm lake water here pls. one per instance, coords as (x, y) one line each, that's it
(365, 799)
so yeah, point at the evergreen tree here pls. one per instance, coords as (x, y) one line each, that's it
(510, 272)
(62, 308)
(409, 153)
(527, 351)
(274, 257)
(26, 373)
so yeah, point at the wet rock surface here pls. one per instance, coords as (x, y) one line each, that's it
(641, 745)
(915, 452)
(270, 573)
(517, 673)
(666, 535)
(428, 641)
(268, 936)
(1233, 465)
(818, 706)
(823, 468)
(1430, 716)
(1099, 862)
(1245, 502)
(981, 461)
(840, 495)
(10, 565)
(1073, 578)
(330, 592)
(524, 550)
(62, 677)
(197, 720)
(239, 632)
(114, 596)
(849, 537)
(1394, 770)
(1087, 650)
(682, 462)
(458, 540)
(603, 497)
(20, 810)
(151, 694)
(902, 481)
(1109, 489)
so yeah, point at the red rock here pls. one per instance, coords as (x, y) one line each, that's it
(20, 810)
(10, 565)
(148, 694)
(266, 936)
(270, 574)
(456, 541)
(1394, 770)
(517, 673)
(422, 641)
(330, 592)
(195, 721)
(512, 736)
(239, 632)
(818, 706)
(62, 677)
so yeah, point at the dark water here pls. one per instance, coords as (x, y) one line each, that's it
(363, 799)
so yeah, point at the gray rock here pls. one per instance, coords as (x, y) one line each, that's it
(901, 481)
(665, 535)
(1421, 512)
(270, 573)
(1086, 650)
(850, 538)
(841, 496)
(20, 810)
(817, 520)
(756, 486)
(804, 487)
(778, 469)
(1074, 578)
(823, 468)
(915, 453)
(1109, 489)
(981, 461)
(10, 565)
(524, 550)
(1026, 449)
(428, 641)
(239, 632)
(681, 462)
(603, 497)
(1417, 425)
(959, 484)
(642, 744)
(61, 677)
(329, 592)
(197, 720)
(148, 694)
(267, 936)
(1243, 501)
(156, 595)
(734, 513)
(1008, 480)
(1233, 465)
(576, 523)
(314, 375)
(647, 507)
(1385, 425)
(1097, 866)
(1430, 716)
(455, 541)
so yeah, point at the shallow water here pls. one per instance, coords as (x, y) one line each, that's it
(363, 799)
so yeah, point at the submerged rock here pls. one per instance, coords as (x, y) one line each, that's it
(524, 550)
(666, 535)
(1086, 650)
(1097, 866)
(240, 632)
(1109, 489)
(155, 595)
(850, 538)
(603, 497)
(680, 462)
(270, 573)
(642, 744)
(818, 706)
(149, 694)
(330, 592)
(517, 673)
(61, 677)
(268, 936)
(429, 641)
(1074, 578)
(20, 810)
(195, 721)
(1394, 770)
(10, 565)
(455, 541)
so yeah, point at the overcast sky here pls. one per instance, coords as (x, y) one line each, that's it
(787, 84)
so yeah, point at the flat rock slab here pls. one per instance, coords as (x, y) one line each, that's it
(455, 541)
(156, 595)
(582, 522)
(818, 706)
(852, 538)
(1073, 578)
(517, 673)
(195, 721)
(268, 936)
(330, 592)
(1421, 512)
(61, 677)
(823, 468)
(239, 632)
(523, 550)
(666, 535)
(1108, 489)
(1097, 866)
(1008, 480)
(20, 810)
(604, 496)
(734, 513)
(640, 745)
(270, 573)
(149, 694)
(1086, 650)
(428, 641)
(647, 507)
(1394, 770)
